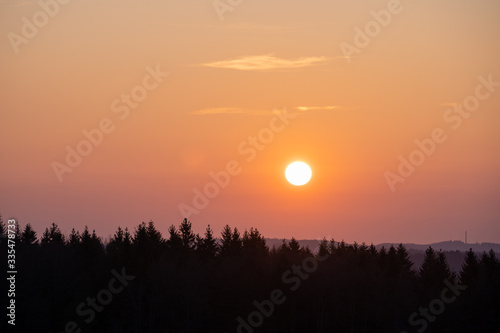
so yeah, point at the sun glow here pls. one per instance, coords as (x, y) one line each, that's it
(298, 173)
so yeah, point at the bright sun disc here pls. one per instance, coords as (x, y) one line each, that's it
(298, 173)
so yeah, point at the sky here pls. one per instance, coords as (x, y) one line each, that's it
(116, 112)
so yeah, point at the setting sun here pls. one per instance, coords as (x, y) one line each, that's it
(298, 173)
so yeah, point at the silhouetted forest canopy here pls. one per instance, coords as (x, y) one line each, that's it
(143, 281)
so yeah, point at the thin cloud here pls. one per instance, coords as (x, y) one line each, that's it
(16, 5)
(252, 27)
(230, 110)
(316, 108)
(266, 62)
(259, 112)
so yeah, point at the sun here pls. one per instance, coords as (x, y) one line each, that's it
(298, 173)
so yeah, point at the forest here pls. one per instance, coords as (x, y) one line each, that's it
(141, 281)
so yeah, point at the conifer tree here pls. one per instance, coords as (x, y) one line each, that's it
(52, 236)
(231, 242)
(174, 241)
(74, 238)
(255, 244)
(404, 259)
(444, 268)
(470, 269)
(28, 236)
(207, 247)
(3, 228)
(490, 267)
(294, 246)
(434, 270)
(323, 250)
(187, 235)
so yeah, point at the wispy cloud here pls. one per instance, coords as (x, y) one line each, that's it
(231, 110)
(259, 112)
(14, 4)
(316, 108)
(254, 27)
(266, 62)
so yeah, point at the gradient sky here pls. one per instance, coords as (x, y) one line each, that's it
(355, 116)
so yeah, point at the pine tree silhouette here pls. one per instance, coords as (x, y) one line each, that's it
(3, 228)
(207, 247)
(323, 250)
(174, 243)
(231, 242)
(28, 236)
(187, 235)
(52, 236)
(74, 238)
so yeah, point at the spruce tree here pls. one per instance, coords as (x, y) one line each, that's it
(323, 250)
(28, 236)
(174, 241)
(53, 236)
(207, 247)
(187, 235)
(3, 228)
(74, 238)
(470, 269)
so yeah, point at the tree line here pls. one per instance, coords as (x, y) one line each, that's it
(190, 283)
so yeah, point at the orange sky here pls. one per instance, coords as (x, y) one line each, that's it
(354, 114)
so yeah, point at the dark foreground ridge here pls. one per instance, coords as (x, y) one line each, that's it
(142, 282)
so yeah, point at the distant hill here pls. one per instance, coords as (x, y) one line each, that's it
(454, 250)
(445, 246)
(451, 246)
